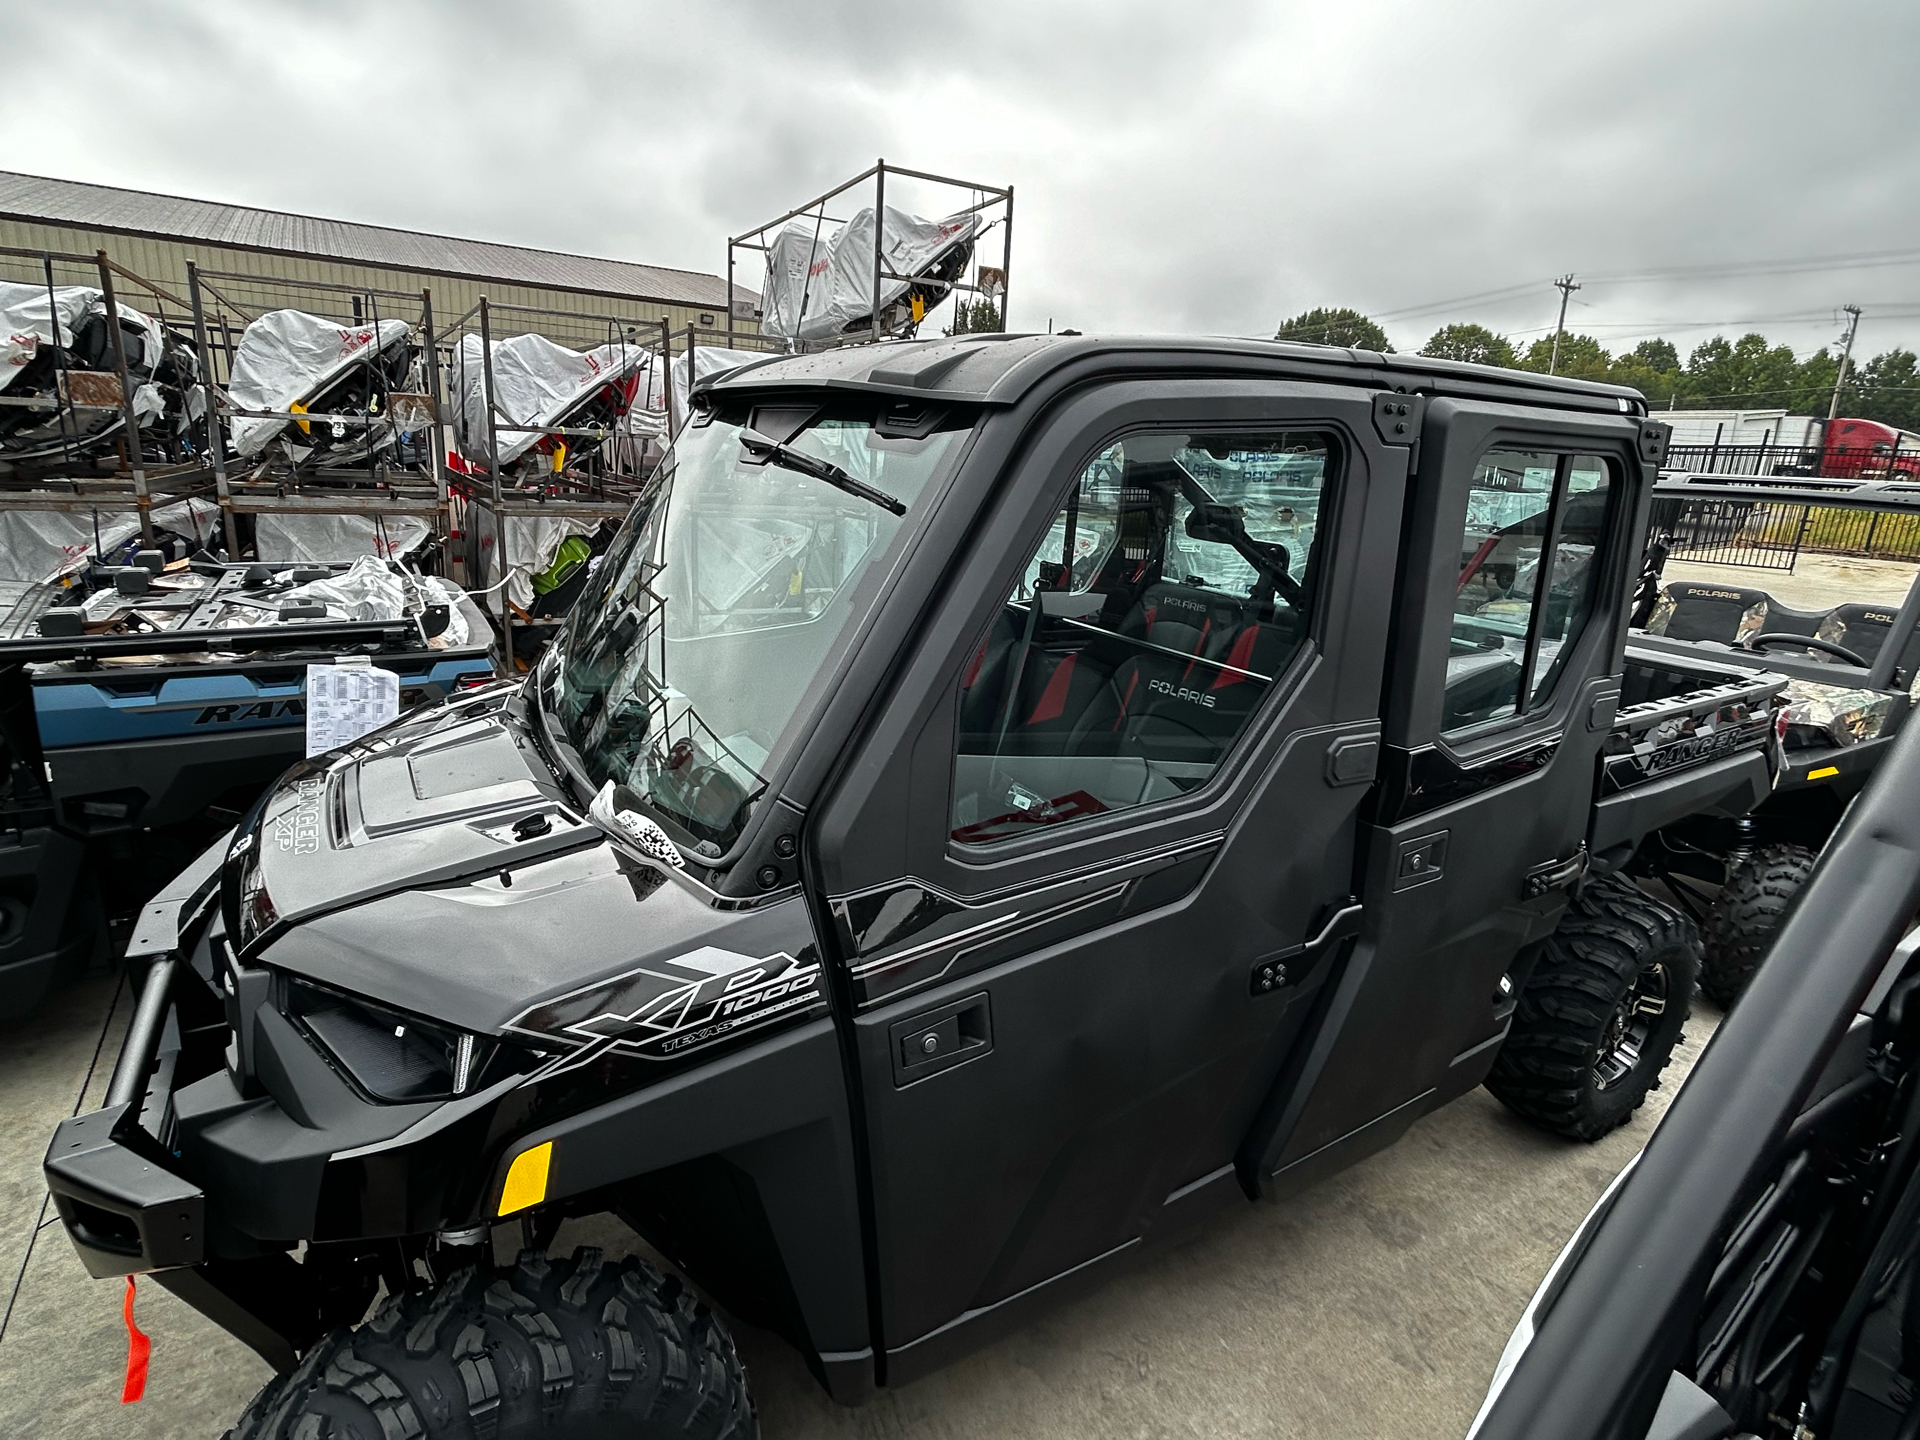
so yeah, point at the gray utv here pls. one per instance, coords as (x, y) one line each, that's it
(999, 803)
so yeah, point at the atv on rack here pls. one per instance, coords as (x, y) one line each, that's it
(308, 393)
(139, 698)
(61, 404)
(999, 803)
(1816, 580)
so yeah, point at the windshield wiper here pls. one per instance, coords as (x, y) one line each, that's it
(769, 450)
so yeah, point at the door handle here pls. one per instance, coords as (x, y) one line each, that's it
(1288, 967)
(936, 1040)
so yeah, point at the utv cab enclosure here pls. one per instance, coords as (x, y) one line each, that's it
(999, 802)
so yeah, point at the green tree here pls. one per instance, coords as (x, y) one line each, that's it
(1473, 343)
(1335, 327)
(1658, 356)
(1745, 374)
(1581, 356)
(1888, 390)
(980, 317)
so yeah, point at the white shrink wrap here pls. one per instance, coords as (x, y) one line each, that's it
(536, 382)
(279, 538)
(820, 289)
(289, 355)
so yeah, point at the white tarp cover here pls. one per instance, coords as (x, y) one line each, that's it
(287, 355)
(532, 541)
(278, 538)
(535, 381)
(644, 431)
(44, 546)
(816, 288)
(25, 326)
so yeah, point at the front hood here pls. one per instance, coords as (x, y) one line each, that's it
(397, 873)
(422, 802)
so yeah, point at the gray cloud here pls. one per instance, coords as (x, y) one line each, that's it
(1203, 167)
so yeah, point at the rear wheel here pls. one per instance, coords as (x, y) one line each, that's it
(1740, 926)
(1601, 1012)
(575, 1349)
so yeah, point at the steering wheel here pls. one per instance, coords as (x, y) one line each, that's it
(1809, 642)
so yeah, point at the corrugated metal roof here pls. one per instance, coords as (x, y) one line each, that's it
(172, 217)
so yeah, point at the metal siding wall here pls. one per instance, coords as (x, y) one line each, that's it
(165, 263)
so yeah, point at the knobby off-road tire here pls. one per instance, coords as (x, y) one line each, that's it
(575, 1349)
(1741, 924)
(1600, 1013)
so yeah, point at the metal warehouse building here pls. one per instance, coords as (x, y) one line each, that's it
(156, 235)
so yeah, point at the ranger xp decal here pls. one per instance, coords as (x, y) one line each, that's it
(673, 1007)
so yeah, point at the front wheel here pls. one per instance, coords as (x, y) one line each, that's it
(1601, 1012)
(575, 1349)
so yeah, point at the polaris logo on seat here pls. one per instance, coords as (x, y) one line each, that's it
(1180, 692)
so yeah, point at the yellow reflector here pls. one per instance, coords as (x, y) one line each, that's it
(1823, 772)
(298, 409)
(526, 1179)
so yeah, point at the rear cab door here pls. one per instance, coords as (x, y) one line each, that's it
(1505, 677)
(1120, 773)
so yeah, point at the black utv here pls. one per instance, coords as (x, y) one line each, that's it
(1754, 1274)
(998, 803)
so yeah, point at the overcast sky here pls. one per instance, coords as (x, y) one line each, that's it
(1199, 167)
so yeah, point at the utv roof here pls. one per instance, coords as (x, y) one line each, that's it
(1000, 369)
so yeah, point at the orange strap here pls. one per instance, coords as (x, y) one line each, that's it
(138, 1349)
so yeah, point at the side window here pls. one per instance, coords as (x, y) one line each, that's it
(1169, 593)
(1529, 567)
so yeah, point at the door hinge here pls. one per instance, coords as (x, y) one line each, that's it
(1397, 417)
(1555, 874)
(1287, 967)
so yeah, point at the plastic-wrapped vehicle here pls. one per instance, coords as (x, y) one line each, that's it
(1752, 1273)
(1816, 580)
(543, 385)
(825, 291)
(135, 697)
(999, 803)
(56, 349)
(322, 394)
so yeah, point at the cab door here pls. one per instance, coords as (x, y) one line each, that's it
(1503, 687)
(1094, 862)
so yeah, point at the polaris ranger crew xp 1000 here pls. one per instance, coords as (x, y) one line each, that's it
(999, 803)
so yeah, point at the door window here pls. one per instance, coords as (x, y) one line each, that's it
(1530, 558)
(1167, 596)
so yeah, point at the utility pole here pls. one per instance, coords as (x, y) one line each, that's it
(1566, 287)
(1846, 358)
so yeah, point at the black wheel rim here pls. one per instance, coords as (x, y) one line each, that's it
(1633, 1020)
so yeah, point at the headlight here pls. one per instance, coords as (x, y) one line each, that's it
(396, 1056)
(254, 915)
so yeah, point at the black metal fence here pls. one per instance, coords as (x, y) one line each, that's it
(1763, 535)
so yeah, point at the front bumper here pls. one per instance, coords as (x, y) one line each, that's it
(125, 1212)
(216, 1094)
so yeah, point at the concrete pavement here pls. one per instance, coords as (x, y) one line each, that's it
(1374, 1306)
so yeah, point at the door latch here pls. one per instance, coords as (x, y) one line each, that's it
(1555, 874)
(936, 1040)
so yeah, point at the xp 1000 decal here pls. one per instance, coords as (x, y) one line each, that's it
(670, 1008)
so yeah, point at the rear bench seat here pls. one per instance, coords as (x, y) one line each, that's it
(1705, 611)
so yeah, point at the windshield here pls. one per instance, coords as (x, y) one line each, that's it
(688, 657)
